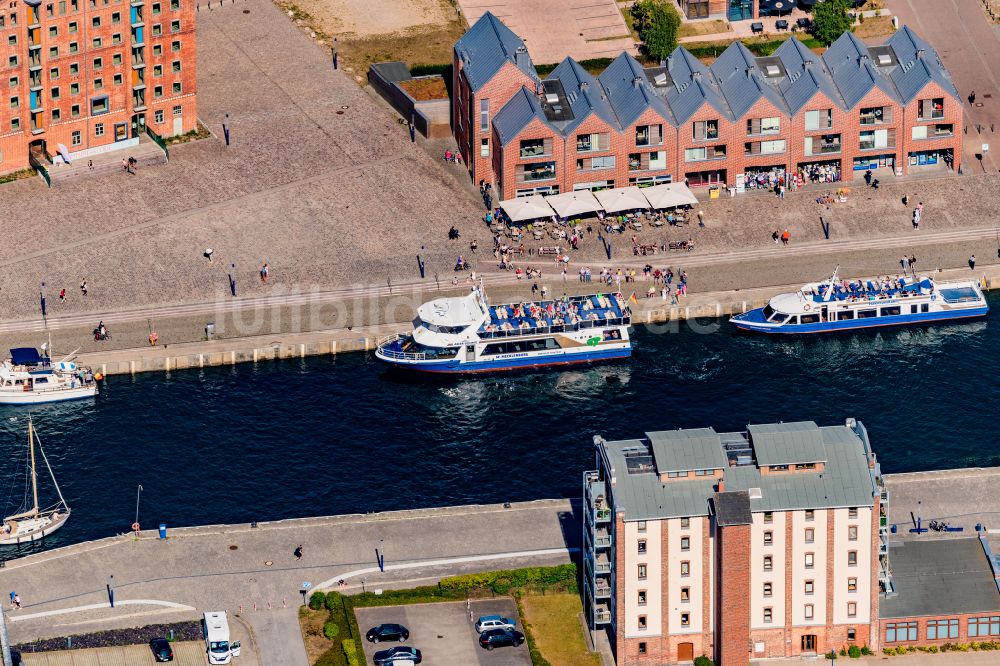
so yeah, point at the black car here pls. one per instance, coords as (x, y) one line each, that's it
(387, 632)
(161, 649)
(492, 638)
(395, 654)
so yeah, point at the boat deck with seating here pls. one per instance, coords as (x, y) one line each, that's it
(869, 291)
(569, 314)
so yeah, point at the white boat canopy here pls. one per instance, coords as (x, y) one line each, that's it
(621, 198)
(526, 208)
(669, 195)
(570, 204)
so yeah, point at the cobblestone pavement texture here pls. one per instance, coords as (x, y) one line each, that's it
(322, 184)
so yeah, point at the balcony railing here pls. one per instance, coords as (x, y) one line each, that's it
(602, 541)
(602, 616)
(602, 565)
(870, 145)
(602, 591)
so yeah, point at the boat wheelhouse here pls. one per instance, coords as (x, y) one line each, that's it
(30, 378)
(466, 334)
(839, 305)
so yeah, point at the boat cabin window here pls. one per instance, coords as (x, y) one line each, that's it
(776, 317)
(914, 309)
(792, 320)
(923, 307)
(891, 312)
(613, 334)
(451, 330)
(867, 314)
(517, 346)
(768, 311)
(809, 318)
(845, 314)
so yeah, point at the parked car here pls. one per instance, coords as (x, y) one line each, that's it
(161, 649)
(492, 638)
(494, 622)
(387, 632)
(395, 655)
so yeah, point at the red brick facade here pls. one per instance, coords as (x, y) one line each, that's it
(902, 633)
(733, 595)
(88, 73)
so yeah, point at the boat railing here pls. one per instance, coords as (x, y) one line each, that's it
(383, 349)
(557, 328)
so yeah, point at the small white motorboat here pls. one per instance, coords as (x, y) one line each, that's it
(30, 378)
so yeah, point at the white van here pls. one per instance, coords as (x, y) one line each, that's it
(215, 626)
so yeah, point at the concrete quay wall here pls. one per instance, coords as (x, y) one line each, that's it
(362, 338)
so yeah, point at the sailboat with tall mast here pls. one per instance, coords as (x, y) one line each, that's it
(35, 522)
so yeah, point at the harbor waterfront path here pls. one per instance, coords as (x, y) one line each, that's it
(252, 571)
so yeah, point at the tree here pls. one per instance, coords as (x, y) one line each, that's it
(657, 23)
(831, 20)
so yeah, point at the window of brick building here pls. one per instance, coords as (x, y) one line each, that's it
(642, 546)
(15, 123)
(984, 626)
(852, 558)
(852, 533)
(156, 8)
(176, 87)
(642, 597)
(157, 49)
(175, 66)
(642, 622)
(118, 79)
(819, 119)
(809, 611)
(900, 631)
(705, 129)
(810, 515)
(685, 594)
(116, 38)
(56, 115)
(116, 17)
(768, 563)
(809, 587)
(178, 110)
(641, 525)
(13, 82)
(175, 45)
(768, 589)
(74, 68)
(852, 609)
(768, 615)
(810, 560)
(74, 47)
(77, 138)
(98, 63)
(175, 26)
(55, 93)
(53, 31)
(642, 647)
(685, 568)
(96, 22)
(116, 59)
(685, 523)
(157, 30)
(74, 111)
(98, 42)
(852, 584)
(157, 70)
(642, 571)
(768, 538)
(685, 543)
(938, 629)
(54, 73)
(72, 27)
(810, 535)
(852, 512)
(852, 633)
(15, 102)
(685, 619)
(484, 147)
(99, 129)
(768, 517)
(74, 89)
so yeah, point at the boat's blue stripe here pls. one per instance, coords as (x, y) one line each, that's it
(456, 367)
(855, 324)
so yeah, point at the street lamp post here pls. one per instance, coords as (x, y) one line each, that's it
(111, 590)
(138, 491)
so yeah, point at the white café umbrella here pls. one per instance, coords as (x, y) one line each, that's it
(669, 195)
(621, 198)
(571, 204)
(526, 208)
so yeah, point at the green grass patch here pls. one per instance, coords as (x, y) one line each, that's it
(200, 132)
(554, 625)
(17, 175)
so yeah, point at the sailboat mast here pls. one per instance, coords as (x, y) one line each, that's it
(34, 475)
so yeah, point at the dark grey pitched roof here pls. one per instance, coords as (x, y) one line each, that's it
(787, 443)
(687, 450)
(741, 81)
(393, 71)
(515, 115)
(805, 75)
(940, 577)
(487, 46)
(853, 71)
(629, 92)
(844, 482)
(732, 508)
(585, 95)
(919, 65)
(692, 87)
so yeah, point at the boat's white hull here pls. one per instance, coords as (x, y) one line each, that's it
(32, 529)
(21, 397)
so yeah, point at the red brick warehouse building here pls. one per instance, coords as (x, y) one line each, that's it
(743, 122)
(93, 75)
(762, 544)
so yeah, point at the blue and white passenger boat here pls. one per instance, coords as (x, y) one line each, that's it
(839, 305)
(466, 334)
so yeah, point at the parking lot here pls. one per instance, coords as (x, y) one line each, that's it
(444, 632)
(185, 654)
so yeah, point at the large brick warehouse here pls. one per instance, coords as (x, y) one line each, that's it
(767, 544)
(744, 121)
(83, 77)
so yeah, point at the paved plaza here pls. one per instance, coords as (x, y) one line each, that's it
(185, 654)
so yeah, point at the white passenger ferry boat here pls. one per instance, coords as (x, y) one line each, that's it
(467, 334)
(30, 378)
(839, 305)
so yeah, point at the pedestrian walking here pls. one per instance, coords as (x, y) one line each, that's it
(972, 97)
(534, 289)
(906, 199)
(298, 552)
(17, 601)
(903, 263)
(775, 236)
(786, 236)
(264, 273)
(90, 164)
(12, 595)
(83, 287)
(124, 165)
(972, 263)
(913, 263)
(875, 184)
(701, 218)
(868, 177)
(62, 295)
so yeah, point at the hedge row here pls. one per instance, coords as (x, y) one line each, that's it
(182, 631)
(974, 646)
(503, 581)
(425, 70)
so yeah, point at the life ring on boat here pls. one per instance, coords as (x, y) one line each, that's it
(135, 527)
(807, 307)
(933, 297)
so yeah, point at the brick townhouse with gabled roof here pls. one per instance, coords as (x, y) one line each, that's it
(746, 121)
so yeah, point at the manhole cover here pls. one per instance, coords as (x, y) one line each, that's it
(246, 11)
(340, 113)
(268, 563)
(233, 547)
(979, 103)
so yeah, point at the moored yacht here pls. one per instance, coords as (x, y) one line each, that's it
(466, 334)
(837, 305)
(30, 378)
